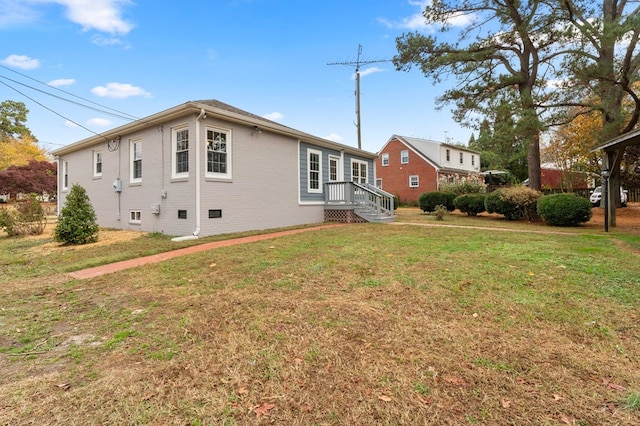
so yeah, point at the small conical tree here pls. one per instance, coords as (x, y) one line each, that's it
(77, 220)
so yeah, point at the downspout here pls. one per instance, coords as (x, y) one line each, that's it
(195, 234)
(58, 186)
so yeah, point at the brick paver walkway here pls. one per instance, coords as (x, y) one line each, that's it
(160, 257)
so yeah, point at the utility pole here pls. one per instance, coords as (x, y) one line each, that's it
(357, 64)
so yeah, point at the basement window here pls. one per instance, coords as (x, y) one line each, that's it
(182, 214)
(215, 214)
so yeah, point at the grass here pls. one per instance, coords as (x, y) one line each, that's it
(364, 324)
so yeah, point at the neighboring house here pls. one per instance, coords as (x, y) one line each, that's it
(408, 167)
(205, 168)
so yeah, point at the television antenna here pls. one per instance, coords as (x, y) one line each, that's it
(357, 63)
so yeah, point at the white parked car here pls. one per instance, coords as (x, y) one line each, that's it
(596, 196)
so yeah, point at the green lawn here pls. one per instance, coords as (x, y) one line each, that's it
(363, 324)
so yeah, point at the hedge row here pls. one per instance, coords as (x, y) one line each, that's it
(515, 203)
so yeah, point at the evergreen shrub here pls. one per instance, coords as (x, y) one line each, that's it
(564, 209)
(77, 220)
(471, 204)
(428, 201)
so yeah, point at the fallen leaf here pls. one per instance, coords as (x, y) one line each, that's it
(531, 274)
(242, 391)
(424, 400)
(263, 410)
(457, 381)
(557, 397)
(64, 386)
(567, 420)
(148, 397)
(213, 265)
(298, 360)
(505, 403)
(308, 408)
(384, 398)
(613, 386)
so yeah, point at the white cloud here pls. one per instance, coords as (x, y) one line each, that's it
(109, 41)
(100, 122)
(70, 124)
(274, 116)
(371, 70)
(21, 61)
(119, 91)
(62, 82)
(417, 21)
(16, 12)
(100, 15)
(334, 137)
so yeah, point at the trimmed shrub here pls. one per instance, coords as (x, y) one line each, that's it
(471, 204)
(428, 201)
(77, 220)
(461, 188)
(564, 209)
(515, 203)
(27, 218)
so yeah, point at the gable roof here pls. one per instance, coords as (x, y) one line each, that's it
(428, 150)
(212, 108)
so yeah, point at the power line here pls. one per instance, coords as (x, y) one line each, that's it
(121, 113)
(51, 110)
(357, 64)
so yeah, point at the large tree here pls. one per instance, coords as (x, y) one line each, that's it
(13, 116)
(604, 65)
(503, 53)
(37, 177)
(17, 145)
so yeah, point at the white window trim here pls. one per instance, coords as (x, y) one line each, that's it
(228, 174)
(361, 162)
(174, 132)
(132, 143)
(65, 175)
(402, 159)
(379, 183)
(319, 154)
(132, 214)
(97, 174)
(384, 159)
(417, 181)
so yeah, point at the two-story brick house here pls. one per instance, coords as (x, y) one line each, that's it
(408, 167)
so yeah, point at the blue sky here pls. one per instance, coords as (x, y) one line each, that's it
(268, 57)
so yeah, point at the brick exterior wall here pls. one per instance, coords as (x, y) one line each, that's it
(395, 176)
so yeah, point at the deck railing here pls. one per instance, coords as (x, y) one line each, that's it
(360, 195)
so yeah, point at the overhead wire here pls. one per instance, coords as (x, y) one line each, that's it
(54, 112)
(119, 114)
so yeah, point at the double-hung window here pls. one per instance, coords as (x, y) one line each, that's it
(385, 159)
(65, 175)
(97, 164)
(404, 156)
(414, 181)
(218, 152)
(314, 170)
(461, 158)
(180, 151)
(135, 151)
(448, 155)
